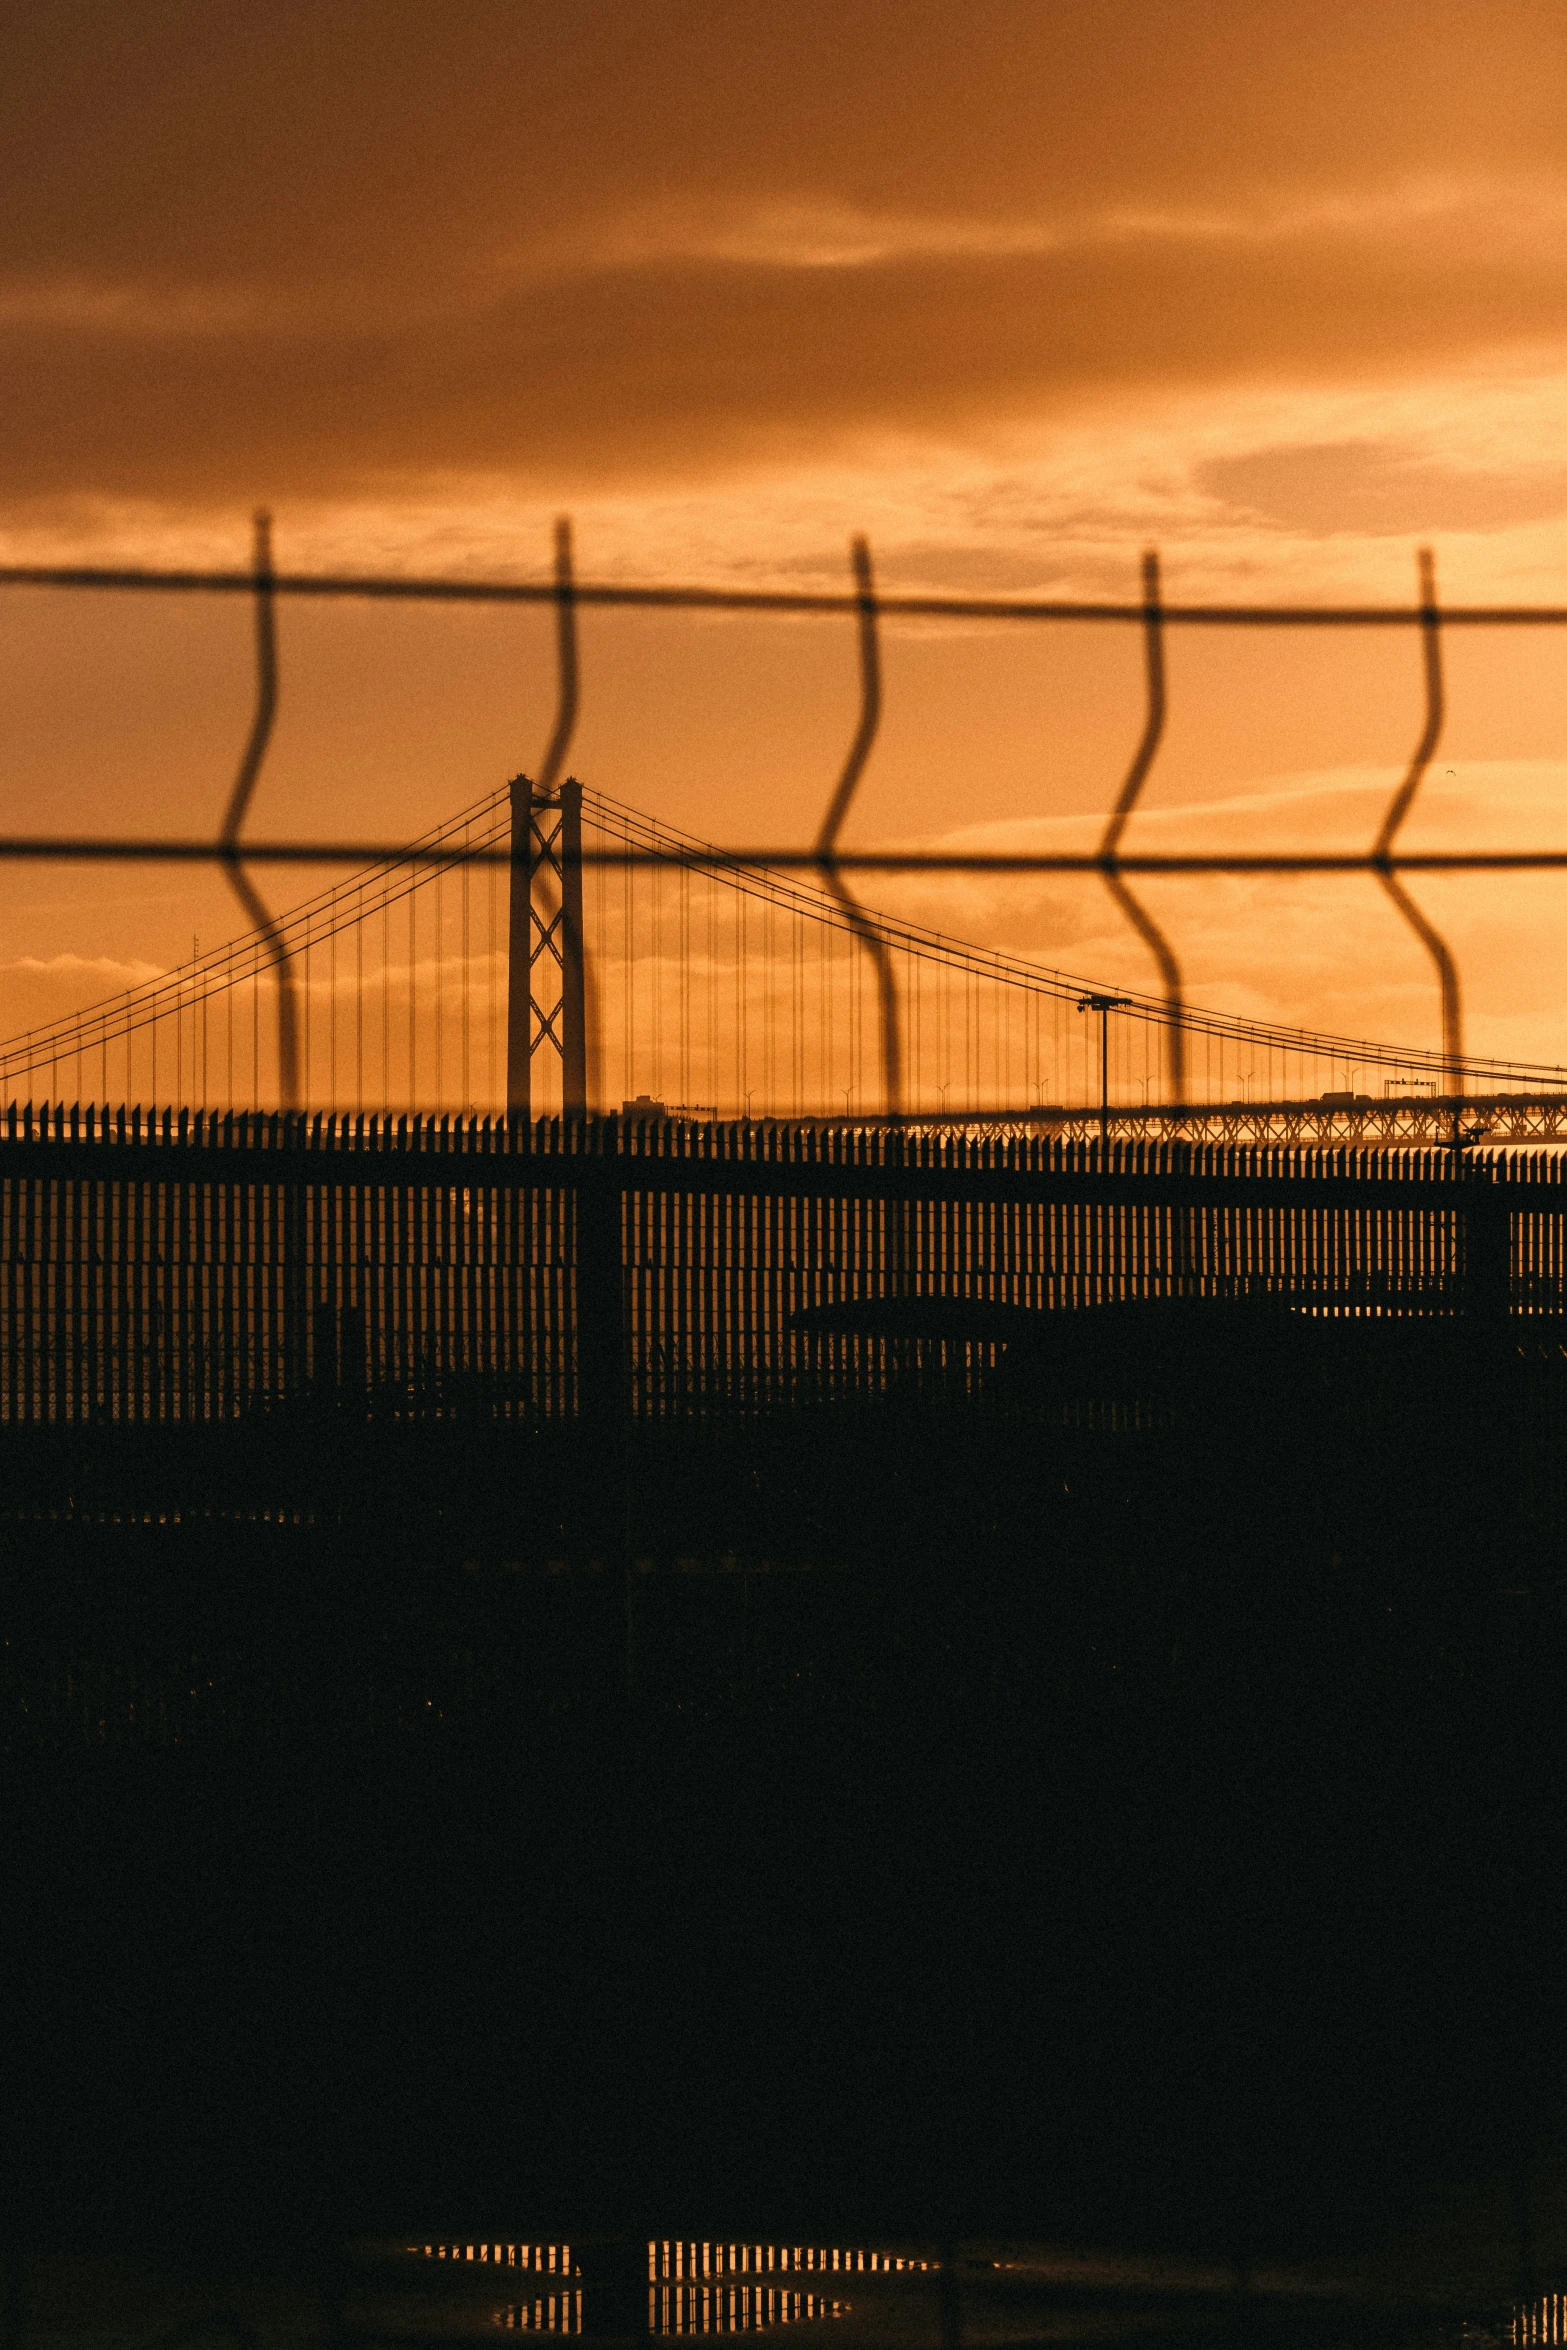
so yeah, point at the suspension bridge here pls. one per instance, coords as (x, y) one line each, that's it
(560, 953)
(596, 1118)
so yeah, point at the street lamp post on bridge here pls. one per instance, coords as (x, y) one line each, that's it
(1104, 1005)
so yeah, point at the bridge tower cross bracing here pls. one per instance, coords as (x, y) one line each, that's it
(546, 991)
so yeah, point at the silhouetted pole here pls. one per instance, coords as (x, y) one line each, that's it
(1104, 1005)
(293, 1132)
(1484, 1235)
(1487, 1229)
(600, 1305)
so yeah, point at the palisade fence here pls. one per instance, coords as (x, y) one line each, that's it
(198, 1267)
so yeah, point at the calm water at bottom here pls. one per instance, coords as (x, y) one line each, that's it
(888, 2294)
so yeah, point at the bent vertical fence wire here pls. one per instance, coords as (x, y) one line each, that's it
(1114, 861)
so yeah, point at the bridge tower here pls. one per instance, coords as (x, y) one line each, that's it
(546, 988)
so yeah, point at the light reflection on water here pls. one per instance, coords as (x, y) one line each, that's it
(1544, 2320)
(702, 2286)
(551, 2312)
(554, 2313)
(733, 2309)
(694, 2286)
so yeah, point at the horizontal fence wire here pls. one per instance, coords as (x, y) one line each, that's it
(631, 596)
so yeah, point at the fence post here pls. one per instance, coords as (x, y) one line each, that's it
(296, 1287)
(1487, 1243)
(603, 1365)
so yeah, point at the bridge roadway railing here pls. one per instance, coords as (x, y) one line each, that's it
(1400, 1122)
(183, 1266)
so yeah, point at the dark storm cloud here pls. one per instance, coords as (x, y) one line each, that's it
(310, 249)
(671, 365)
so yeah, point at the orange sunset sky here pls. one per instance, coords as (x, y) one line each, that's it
(1013, 288)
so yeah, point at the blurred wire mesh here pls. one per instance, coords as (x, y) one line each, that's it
(488, 839)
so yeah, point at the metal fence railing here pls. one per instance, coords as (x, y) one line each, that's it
(187, 1268)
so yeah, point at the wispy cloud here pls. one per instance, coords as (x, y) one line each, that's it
(1313, 951)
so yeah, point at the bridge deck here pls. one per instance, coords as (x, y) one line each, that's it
(1399, 1122)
